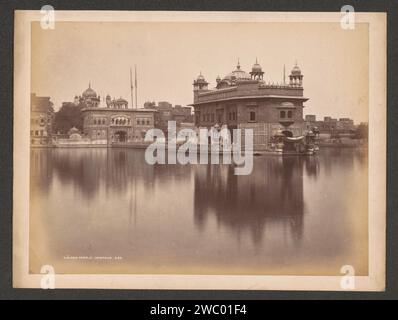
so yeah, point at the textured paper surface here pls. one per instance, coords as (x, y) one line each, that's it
(370, 228)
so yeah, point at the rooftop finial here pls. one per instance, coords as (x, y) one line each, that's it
(238, 66)
(89, 85)
(256, 61)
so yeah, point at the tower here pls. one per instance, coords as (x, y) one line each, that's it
(76, 100)
(296, 78)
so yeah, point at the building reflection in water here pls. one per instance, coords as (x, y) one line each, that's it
(272, 197)
(195, 217)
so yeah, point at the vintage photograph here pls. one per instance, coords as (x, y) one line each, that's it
(199, 150)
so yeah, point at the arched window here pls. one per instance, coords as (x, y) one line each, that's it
(283, 114)
(103, 121)
(95, 121)
(289, 114)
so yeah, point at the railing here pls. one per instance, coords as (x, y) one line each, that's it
(257, 91)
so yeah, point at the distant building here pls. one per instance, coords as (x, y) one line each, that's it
(330, 125)
(114, 122)
(41, 120)
(166, 112)
(245, 101)
(310, 122)
(310, 118)
(345, 124)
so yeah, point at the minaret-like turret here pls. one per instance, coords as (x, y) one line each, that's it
(76, 100)
(108, 100)
(257, 72)
(296, 78)
(199, 85)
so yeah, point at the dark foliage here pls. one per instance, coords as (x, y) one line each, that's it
(67, 117)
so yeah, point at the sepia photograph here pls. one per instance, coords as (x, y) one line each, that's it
(199, 150)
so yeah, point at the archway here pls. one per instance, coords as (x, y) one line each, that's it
(121, 136)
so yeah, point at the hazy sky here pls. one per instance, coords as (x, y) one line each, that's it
(170, 55)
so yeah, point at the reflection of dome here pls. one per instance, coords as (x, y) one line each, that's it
(89, 93)
(237, 74)
(296, 71)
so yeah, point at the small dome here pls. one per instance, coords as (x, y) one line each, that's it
(89, 93)
(73, 130)
(256, 67)
(200, 77)
(121, 100)
(296, 71)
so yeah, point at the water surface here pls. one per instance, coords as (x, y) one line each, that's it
(107, 211)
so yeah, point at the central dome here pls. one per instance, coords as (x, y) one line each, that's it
(237, 74)
(89, 93)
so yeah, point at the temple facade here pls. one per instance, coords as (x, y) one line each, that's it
(114, 122)
(244, 100)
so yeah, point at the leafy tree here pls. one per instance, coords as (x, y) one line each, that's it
(67, 117)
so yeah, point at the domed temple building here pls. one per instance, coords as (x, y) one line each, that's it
(247, 101)
(112, 121)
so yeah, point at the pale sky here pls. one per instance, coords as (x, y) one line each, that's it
(170, 55)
